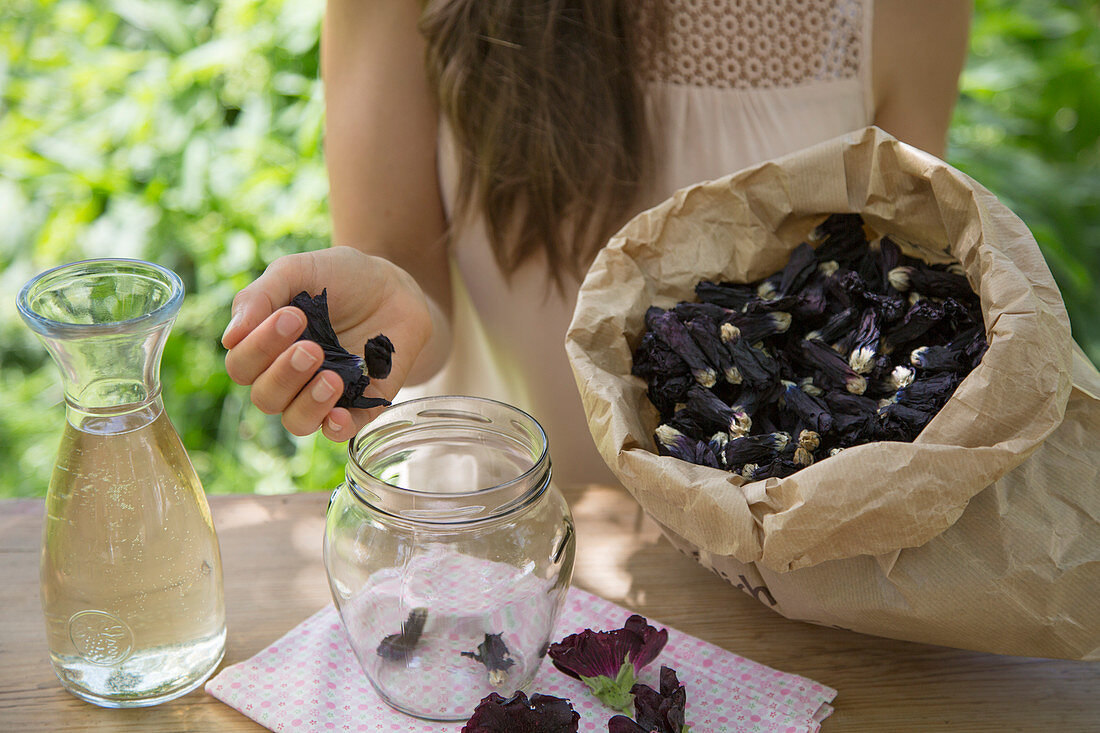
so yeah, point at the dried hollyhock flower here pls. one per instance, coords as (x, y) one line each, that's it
(937, 358)
(655, 711)
(726, 294)
(809, 409)
(705, 333)
(494, 655)
(755, 448)
(670, 330)
(832, 365)
(672, 442)
(608, 661)
(838, 324)
(799, 269)
(865, 345)
(842, 238)
(757, 369)
(901, 422)
(928, 394)
(396, 647)
(517, 714)
(919, 319)
(353, 370)
(936, 283)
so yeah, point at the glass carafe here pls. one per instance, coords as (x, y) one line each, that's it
(130, 568)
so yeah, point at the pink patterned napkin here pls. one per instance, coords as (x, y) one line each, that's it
(310, 680)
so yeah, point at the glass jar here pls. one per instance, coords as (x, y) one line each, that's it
(449, 553)
(130, 567)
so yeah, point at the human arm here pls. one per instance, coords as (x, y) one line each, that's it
(392, 276)
(919, 49)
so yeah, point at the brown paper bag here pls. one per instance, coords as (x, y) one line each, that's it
(982, 534)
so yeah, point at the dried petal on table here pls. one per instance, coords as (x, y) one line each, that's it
(655, 711)
(517, 714)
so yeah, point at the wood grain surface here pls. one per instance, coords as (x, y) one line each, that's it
(274, 579)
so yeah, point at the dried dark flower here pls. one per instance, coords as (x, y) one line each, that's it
(920, 317)
(396, 647)
(517, 714)
(937, 358)
(928, 394)
(655, 711)
(755, 448)
(351, 369)
(494, 655)
(670, 330)
(808, 408)
(378, 354)
(799, 269)
(936, 283)
(672, 442)
(832, 366)
(838, 324)
(726, 294)
(608, 661)
(705, 333)
(900, 422)
(757, 369)
(865, 345)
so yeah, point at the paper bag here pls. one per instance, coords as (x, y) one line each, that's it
(984, 533)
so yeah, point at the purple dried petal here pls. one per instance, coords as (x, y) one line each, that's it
(517, 714)
(844, 238)
(838, 324)
(705, 334)
(350, 368)
(928, 394)
(937, 358)
(396, 647)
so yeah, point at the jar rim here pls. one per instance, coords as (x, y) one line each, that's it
(514, 492)
(51, 327)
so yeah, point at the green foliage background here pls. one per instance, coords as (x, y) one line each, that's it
(188, 132)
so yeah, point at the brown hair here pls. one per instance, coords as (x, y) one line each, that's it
(548, 119)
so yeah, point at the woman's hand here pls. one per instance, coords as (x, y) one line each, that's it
(366, 296)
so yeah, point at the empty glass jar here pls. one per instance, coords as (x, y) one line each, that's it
(449, 553)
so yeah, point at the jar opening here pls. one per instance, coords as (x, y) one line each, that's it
(450, 458)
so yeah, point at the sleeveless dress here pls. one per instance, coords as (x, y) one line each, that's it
(736, 82)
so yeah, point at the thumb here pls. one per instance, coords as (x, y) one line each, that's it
(269, 292)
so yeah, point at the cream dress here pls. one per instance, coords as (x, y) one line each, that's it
(738, 82)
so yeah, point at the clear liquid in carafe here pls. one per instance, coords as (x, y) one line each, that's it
(131, 571)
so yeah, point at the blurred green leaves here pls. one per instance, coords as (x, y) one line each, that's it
(1027, 126)
(188, 132)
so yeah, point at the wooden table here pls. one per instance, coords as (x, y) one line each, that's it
(274, 578)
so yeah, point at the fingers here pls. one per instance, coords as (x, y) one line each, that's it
(310, 408)
(283, 279)
(265, 344)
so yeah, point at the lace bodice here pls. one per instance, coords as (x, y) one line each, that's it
(749, 44)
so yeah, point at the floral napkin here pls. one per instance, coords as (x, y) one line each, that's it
(310, 680)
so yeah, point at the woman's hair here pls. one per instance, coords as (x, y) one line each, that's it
(548, 119)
